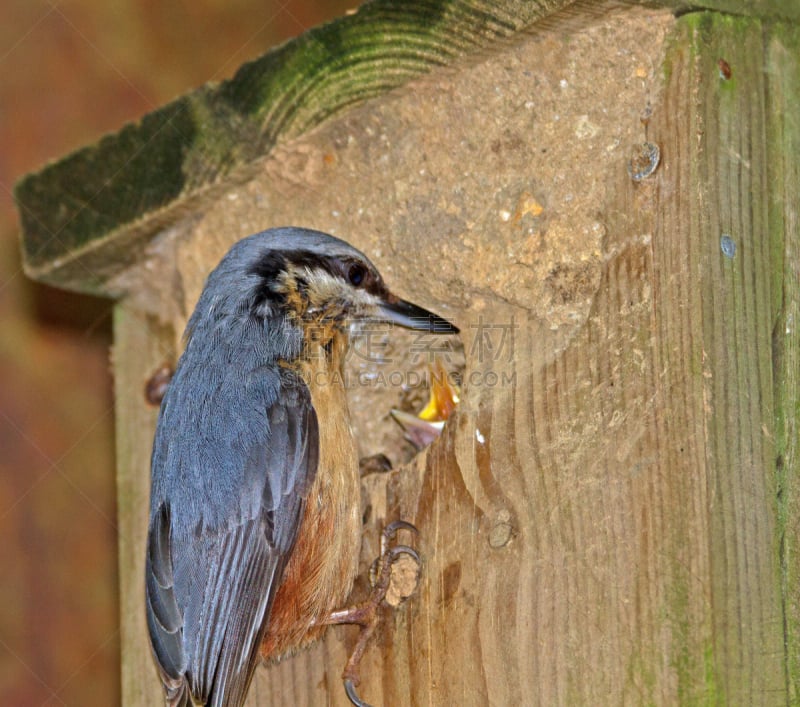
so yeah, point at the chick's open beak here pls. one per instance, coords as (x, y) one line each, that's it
(411, 316)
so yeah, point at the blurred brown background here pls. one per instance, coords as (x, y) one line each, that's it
(71, 71)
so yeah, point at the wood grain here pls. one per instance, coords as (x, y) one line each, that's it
(617, 523)
(717, 316)
(87, 216)
(141, 346)
(114, 196)
(615, 540)
(783, 143)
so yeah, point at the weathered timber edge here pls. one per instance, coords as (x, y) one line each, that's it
(88, 216)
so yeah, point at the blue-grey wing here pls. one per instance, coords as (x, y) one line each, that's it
(210, 586)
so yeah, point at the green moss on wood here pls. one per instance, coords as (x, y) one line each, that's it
(716, 147)
(783, 86)
(86, 217)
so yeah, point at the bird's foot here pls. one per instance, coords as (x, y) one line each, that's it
(394, 576)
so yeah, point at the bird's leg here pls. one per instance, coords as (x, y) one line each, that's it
(394, 577)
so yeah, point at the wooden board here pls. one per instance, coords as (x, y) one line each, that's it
(615, 539)
(618, 526)
(141, 346)
(86, 217)
(782, 46)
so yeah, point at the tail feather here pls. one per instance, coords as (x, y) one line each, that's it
(177, 692)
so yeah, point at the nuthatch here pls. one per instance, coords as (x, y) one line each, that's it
(255, 518)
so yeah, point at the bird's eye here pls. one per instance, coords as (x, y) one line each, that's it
(356, 274)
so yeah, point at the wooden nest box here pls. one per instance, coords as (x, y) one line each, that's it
(604, 197)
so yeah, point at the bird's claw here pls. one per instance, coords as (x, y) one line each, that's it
(391, 530)
(386, 587)
(397, 550)
(394, 580)
(352, 695)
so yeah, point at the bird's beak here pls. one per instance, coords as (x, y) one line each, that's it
(411, 316)
(418, 431)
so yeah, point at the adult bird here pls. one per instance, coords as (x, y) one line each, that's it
(255, 514)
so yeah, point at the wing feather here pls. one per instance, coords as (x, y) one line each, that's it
(210, 586)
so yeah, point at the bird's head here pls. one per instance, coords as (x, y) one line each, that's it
(310, 279)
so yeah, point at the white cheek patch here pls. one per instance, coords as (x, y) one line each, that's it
(324, 287)
(363, 300)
